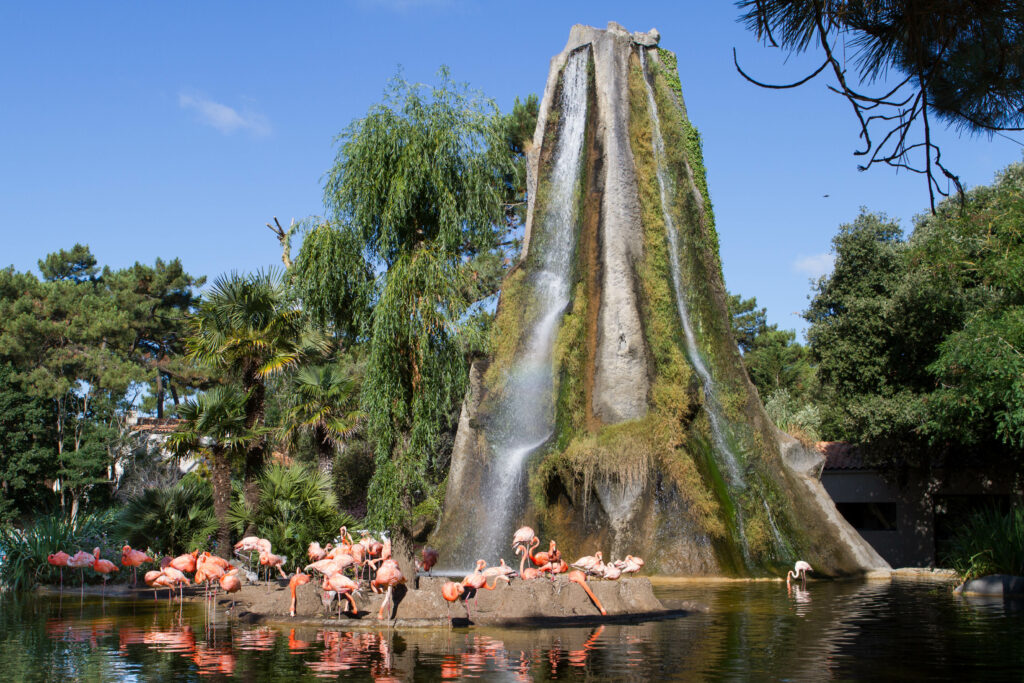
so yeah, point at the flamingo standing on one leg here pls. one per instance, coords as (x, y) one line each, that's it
(59, 559)
(103, 567)
(80, 561)
(799, 571)
(523, 536)
(579, 577)
(134, 559)
(231, 583)
(451, 592)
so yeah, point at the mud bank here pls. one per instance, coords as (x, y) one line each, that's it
(541, 601)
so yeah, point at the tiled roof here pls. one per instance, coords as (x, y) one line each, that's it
(156, 425)
(840, 455)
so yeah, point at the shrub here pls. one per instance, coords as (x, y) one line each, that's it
(171, 520)
(296, 506)
(25, 550)
(991, 542)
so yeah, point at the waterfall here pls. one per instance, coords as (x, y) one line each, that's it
(524, 419)
(723, 451)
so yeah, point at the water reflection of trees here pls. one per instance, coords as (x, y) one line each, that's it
(751, 631)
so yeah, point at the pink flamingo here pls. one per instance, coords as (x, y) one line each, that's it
(185, 563)
(177, 578)
(451, 592)
(270, 560)
(80, 561)
(630, 564)
(59, 559)
(478, 580)
(134, 559)
(103, 567)
(344, 587)
(298, 579)
(589, 563)
(316, 553)
(798, 571)
(579, 577)
(157, 579)
(388, 575)
(523, 536)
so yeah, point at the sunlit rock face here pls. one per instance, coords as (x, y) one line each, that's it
(615, 412)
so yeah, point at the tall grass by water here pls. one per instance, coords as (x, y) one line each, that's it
(25, 550)
(991, 542)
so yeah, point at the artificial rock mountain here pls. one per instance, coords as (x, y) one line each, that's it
(615, 412)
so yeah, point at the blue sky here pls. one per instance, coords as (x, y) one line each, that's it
(179, 129)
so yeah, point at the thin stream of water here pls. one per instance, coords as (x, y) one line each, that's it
(723, 451)
(525, 417)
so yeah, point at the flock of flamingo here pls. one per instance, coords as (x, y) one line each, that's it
(366, 560)
(524, 541)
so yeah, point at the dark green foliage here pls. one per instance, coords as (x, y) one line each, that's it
(748, 321)
(169, 521)
(991, 542)
(959, 62)
(27, 549)
(858, 338)
(334, 282)
(26, 448)
(975, 261)
(966, 55)
(325, 406)
(779, 368)
(919, 343)
(250, 329)
(76, 265)
(83, 341)
(216, 424)
(296, 506)
(419, 182)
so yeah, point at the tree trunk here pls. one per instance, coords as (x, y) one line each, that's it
(404, 554)
(255, 454)
(325, 452)
(221, 480)
(159, 394)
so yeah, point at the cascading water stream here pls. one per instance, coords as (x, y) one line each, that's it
(524, 419)
(725, 455)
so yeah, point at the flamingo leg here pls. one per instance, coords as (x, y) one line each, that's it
(594, 598)
(387, 597)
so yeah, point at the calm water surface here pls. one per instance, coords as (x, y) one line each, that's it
(834, 631)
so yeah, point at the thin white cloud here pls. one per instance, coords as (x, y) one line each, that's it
(816, 265)
(224, 118)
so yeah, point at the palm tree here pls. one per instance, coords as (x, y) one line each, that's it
(249, 328)
(324, 405)
(216, 422)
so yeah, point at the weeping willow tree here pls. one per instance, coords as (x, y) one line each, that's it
(419, 197)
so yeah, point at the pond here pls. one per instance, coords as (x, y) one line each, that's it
(842, 631)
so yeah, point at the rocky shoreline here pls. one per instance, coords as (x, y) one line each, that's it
(556, 602)
(541, 601)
